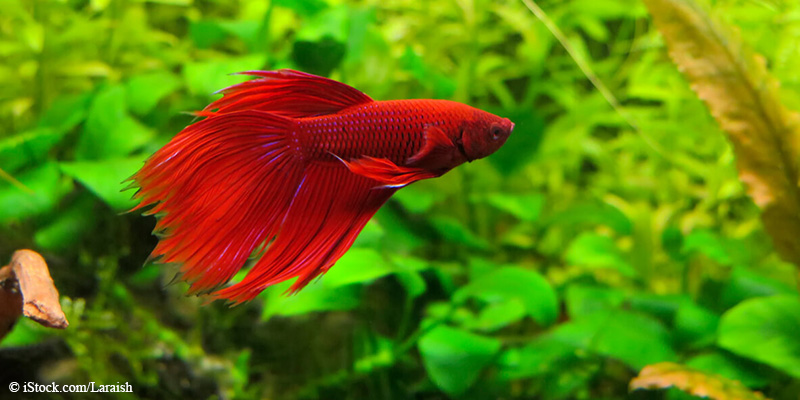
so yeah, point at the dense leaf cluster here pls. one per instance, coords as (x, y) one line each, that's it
(581, 252)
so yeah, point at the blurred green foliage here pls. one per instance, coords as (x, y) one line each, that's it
(582, 251)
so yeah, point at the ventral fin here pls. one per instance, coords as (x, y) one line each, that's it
(288, 93)
(389, 174)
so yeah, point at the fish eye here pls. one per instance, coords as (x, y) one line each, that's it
(496, 132)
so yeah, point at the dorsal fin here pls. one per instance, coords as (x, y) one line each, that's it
(288, 93)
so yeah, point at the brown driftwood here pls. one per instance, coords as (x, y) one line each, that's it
(26, 288)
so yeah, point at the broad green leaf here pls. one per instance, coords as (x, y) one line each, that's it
(413, 283)
(442, 85)
(751, 374)
(27, 147)
(109, 131)
(206, 33)
(526, 207)
(745, 283)
(66, 112)
(370, 236)
(206, 77)
(26, 332)
(633, 338)
(454, 358)
(209, 32)
(357, 266)
(415, 200)
(313, 298)
(725, 251)
(499, 315)
(318, 57)
(68, 227)
(455, 231)
(544, 354)
(523, 145)
(663, 307)
(105, 179)
(144, 91)
(592, 250)
(303, 7)
(47, 186)
(514, 283)
(765, 330)
(594, 214)
(695, 325)
(744, 99)
(582, 300)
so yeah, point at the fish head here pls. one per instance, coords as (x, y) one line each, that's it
(484, 135)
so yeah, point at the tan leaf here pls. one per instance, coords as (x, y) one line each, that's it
(665, 375)
(734, 84)
(39, 294)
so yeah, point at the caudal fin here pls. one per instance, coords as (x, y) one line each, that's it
(220, 188)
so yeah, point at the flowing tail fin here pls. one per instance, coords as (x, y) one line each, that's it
(220, 188)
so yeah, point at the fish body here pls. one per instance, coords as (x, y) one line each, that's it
(289, 168)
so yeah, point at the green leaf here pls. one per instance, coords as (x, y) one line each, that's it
(523, 145)
(109, 131)
(695, 325)
(634, 339)
(205, 78)
(514, 283)
(358, 265)
(442, 85)
(663, 307)
(499, 315)
(27, 147)
(454, 231)
(416, 200)
(68, 227)
(315, 297)
(144, 91)
(526, 207)
(413, 283)
(544, 354)
(318, 57)
(765, 330)
(303, 7)
(26, 332)
(592, 250)
(582, 300)
(66, 112)
(105, 179)
(454, 358)
(594, 214)
(751, 374)
(47, 189)
(206, 33)
(708, 243)
(745, 283)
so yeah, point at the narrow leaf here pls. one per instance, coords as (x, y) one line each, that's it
(734, 83)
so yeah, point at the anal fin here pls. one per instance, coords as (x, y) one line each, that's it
(389, 174)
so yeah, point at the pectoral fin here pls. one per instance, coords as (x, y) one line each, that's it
(438, 146)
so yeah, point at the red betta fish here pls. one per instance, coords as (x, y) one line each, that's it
(289, 168)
